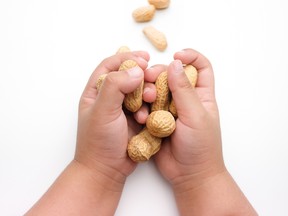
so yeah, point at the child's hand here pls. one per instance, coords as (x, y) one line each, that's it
(191, 159)
(194, 149)
(103, 128)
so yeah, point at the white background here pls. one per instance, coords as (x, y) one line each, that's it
(48, 49)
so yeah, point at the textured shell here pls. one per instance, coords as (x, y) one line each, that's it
(123, 49)
(157, 38)
(127, 65)
(100, 81)
(132, 101)
(160, 123)
(142, 146)
(144, 13)
(160, 4)
(162, 93)
(192, 74)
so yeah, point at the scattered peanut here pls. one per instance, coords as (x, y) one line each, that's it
(156, 37)
(191, 74)
(144, 13)
(133, 100)
(160, 4)
(160, 123)
(162, 93)
(142, 146)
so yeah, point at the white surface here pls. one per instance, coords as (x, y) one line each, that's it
(48, 50)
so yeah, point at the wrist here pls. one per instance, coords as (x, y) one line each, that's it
(191, 181)
(106, 177)
(80, 191)
(215, 195)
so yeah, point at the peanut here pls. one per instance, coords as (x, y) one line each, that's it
(142, 146)
(100, 81)
(160, 4)
(156, 37)
(162, 93)
(160, 123)
(144, 13)
(133, 100)
(191, 74)
(123, 49)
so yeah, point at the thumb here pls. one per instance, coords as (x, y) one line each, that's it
(114, 88)
(187, 102)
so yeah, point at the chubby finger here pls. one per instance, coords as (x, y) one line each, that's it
(201, 63)
(113, 63)
(114, 88)
(149, 92)
(142, 114)
(153, 72)
(187, 102)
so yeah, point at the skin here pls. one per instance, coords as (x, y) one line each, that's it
(93, 182)
(191, 159)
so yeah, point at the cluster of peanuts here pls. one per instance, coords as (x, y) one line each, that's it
(145, 14)
(161, 120)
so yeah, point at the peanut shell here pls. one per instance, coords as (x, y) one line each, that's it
(160, 123)
(157, 38)
(143, 145)
(192, 75)
(162, 93)
(100, 81)
(123, 49)
(133, 100)
(160, 4)
(144, 13)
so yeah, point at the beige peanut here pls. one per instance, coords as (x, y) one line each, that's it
(160, 4)
(157, 38)
(142, 146)
(160, 123)
(123, 49)
(192, 75)
(144, 13)
(133, 100)
(162, 93)
(100, 81)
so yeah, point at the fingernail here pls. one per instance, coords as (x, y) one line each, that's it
(135, 72)
(146, 90)
(178, 66)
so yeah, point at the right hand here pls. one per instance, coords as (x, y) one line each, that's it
(193, 153)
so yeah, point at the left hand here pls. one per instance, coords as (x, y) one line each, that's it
(103, 128)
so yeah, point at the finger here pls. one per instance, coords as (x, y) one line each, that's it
(142, 114)
(188, 105)
(201, 63)
(149, 92)
(113, 63)
(153, 72)
(114, 88)
(205, 81)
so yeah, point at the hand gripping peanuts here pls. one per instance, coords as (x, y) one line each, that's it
(161, 121)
